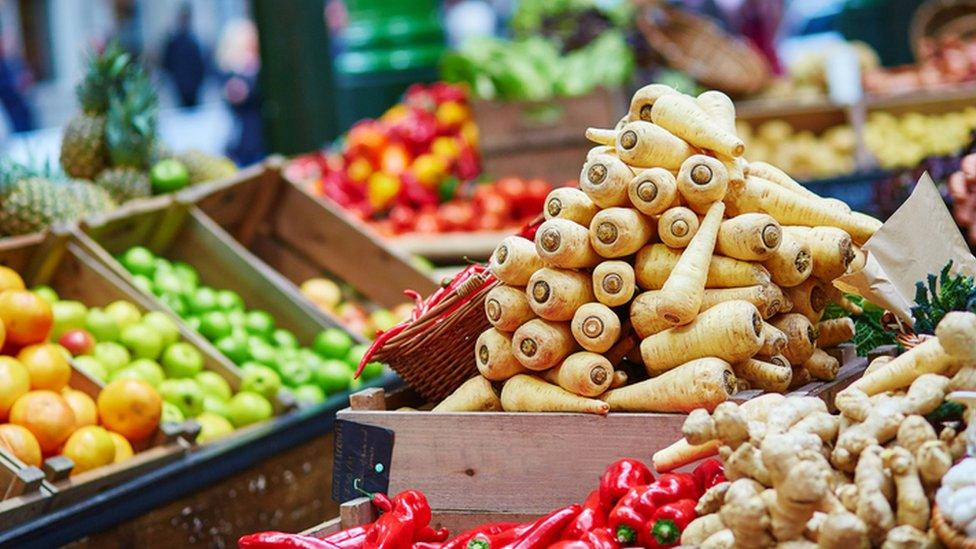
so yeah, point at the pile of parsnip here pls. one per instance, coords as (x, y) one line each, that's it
(800, 476)
(677, 253)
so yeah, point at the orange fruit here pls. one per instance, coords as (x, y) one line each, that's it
(47, 366)
(130, 407)
(26, 316)
(123, 450)
(21, 443)
(47, 416)
(86, 413)
(10, 280)
(14, 383)
(89, 448)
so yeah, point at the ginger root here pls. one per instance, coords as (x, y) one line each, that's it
(797, 497)
(913, 506)
(746, 515)
(879, 427)
(701, 529)
(844, 530)
(872, 505)
(723, 539)
(933, 460)
(907, 537)
(913, 432)
(712, 500)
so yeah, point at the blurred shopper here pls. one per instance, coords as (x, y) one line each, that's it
(14, 79)
(238, 59)
(183, 60)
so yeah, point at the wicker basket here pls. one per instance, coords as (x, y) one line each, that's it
(699, 47)
(949, 536)
(937, 18)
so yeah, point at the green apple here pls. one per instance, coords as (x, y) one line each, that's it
(162, 264)
(308, 394)
(215, 405)
(233, 348)
(214, 325)
(261, 351)
(125, 313)
(355, 384)
(283, 338)
(91, 366)
(139, 260)
(261, 380)
(164, 325)
(332, 343)
(143, 283)
(229, 301)
(47, 293)
(246, 408)
(295, 373)
(68, 315)
(182, 360)
(112, 355)
(175, 303)
(125, 373)
(184, 393)
(333, 376)
(142, 340)
(101, 325)
(149, 370)
(260, 323)
(166, 281)
(172, 413)
(193, 322)
(237, 319)
(213, 384)
(188, 275)
(212, 427)
(203, 299)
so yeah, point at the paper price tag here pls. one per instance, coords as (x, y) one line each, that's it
(362, 456)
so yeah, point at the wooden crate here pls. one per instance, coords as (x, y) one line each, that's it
(25, 494)
(302, 236)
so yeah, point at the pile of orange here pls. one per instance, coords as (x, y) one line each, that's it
(40, 414)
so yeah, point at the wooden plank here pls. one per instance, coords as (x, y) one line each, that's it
(556, 163)
(368, 399)
(356, 512)
(280, 257)
(450, 246)
(229, 200)
(826, 390)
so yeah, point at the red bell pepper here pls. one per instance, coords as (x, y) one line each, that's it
(709, 473)
(281, 540)
(666, 525)
(408, 516)
(671, 487)
(428, 534)
(630, 514)
(593, 515)
(621, 476)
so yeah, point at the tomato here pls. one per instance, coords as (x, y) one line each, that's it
(366, 136)
(394, 159)
(536, 191)
(428, 222)
(491, 222)
(451, 114)
(512, 188)
(402, 218)
(494, 203)
(359, 170)
(457, 215)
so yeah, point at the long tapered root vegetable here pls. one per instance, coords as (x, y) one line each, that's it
(677, 226)
(654, 263)
(596, 327)
(912, 504)
(682, 116)
(643, 100)
(507, 308)
(555, 294)
(474, 395)
(764, 375)
(570, 203)
(859, 261)
(790, 263)
(774, 340)
(514, 260)
(809, 298)
(600, 149)
(757, 295)
(800, 334)
(617, 232)
(731, 331)
(644, 145)
(775, 175)
(562, 243)
(613, 283)
(702, 180)
(929, 357)
(957, 334)
(800, 374)
(525, 393)
(790, 208)
(720, 108)
(540, 344)
(644, 315)
(830, 247)
(583, 373)
(834, 331)
(493, 355)
(681, 294)
(872, 505)
(605, 179)
(653, 190)
(702, 383)
(749, 237)
(822, 366)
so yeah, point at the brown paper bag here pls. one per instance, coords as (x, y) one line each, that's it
(918, 239)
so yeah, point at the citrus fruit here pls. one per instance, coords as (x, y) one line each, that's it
(10, 280)
(45, 414)
(14, 383)
(21, 443)
(123, 450)
(130, 407)
(86, 413)
(47, 366)
(89, 448)
(26, 316)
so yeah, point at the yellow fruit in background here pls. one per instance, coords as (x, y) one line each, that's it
(323, 292)
(14, 383)
(47, 365)
(89, 448)
(123, 450)
(10, 280)
(86, 413)
(21, 443)
(130, 407)
(45, 414)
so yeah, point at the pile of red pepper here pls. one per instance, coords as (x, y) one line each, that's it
(629, 509)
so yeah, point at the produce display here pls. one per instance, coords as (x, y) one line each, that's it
(944, 62)
(42, 414)
(803, 154)
(962, 190)
(270, 358)
(732, 296)
(905, 140)
(354, 315)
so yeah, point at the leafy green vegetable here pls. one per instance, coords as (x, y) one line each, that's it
(948, 293)
(868, 332)
(530, 15)
(947, 411)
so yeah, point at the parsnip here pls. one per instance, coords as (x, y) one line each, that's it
(644, 98)
(703, 383)
(681, 294)
(835, 331)
(757, 295)
(507, 308)
(605, 179)
(540, 344)
(682, 116)
(800, 335)
(596, 327)
(749, 237)
(524, 393)
(493, 355)
(644, 145)
(613, 283)
(562, 243)
(514, 260)
(572, 204)
(655, 262)
(702, 181)
(774, 341)
(644, 316)
(822, 366)
(584, 373)
(764, 375)
(791, 263)
(555, 294)
(830, 248)
(653, 190)
(809, 299)
(618, 232)
(677, 226)
(474, 395)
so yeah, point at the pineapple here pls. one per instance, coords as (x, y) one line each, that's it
(35, 203)
(83, 144)
(124, 183)
(130, 132)
(206, 167)
(89, 198)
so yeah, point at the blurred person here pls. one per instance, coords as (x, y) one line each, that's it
(183, 60)
(239, 61)
(14, 80)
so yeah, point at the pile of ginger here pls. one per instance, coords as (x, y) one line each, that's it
(800, 476)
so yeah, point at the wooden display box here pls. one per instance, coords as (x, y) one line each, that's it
(303, 237)
(25, 494)
(472, 462)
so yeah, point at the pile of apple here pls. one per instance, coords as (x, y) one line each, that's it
(41, 414)
(327, 295)
(271, 358)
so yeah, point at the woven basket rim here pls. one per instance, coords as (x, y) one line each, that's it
(947, 534)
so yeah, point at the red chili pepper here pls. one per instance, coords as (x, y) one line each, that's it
(281, 540)
(709, 473)
(621, 476)
(398, 528)
(428, 534)
(428, 545)
(570, 544)
(500, 538)
(593, 515)
(602, 538)
(462, 539)
(545, 531)
(665, 527)
(630, 513)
